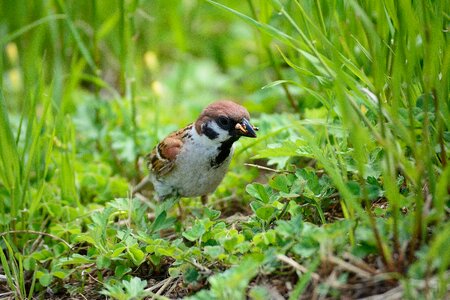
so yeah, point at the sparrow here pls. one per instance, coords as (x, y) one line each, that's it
(192, 161)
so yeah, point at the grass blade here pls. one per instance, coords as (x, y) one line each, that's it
(9, 163)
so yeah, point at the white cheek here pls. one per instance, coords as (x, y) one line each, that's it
(223, 134)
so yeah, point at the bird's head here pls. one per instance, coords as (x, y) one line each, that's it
(224, 120)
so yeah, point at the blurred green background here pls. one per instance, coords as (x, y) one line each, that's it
(180, 51)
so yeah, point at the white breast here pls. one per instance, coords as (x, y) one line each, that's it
(193, 174)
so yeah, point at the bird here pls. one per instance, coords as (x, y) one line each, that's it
(192, 161)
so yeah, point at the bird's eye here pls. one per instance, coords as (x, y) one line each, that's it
(223, 121)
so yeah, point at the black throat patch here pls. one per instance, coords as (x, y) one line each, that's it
(224, 152)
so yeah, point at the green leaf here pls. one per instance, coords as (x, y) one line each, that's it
(77, 37)
(265, 212)
(307, 247)
(243, 247)
(311, 179)
(286, 149)
(136, 254)
(121, 270)
(61, 274)
(103, 262)
(5, 219)
(354, 187)
(9, 157)
(44, 278)
(155, 259)
(233, 283)
(291, 228)
(8, 268)
(212, 214)
(76, 259)
(258, 191)
(29, 263)
(231, 243)
(135, 288)
(374, 190)
(213, 251)
(281, 183)
(270, 30)
(191, 275)
(159, 222)
(255, 205)
(42, 255)
(195, 232)
(118, 249)
(266, 238)
(166, 251)
(438, 246)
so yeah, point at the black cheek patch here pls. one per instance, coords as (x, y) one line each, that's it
(209, 132)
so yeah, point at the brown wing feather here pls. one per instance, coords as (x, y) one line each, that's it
(162, 158)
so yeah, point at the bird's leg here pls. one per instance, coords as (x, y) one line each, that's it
(180, 211)
(204, 199)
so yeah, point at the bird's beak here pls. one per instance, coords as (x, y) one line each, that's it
(244, 128)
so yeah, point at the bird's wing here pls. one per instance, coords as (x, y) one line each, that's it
(162, 158)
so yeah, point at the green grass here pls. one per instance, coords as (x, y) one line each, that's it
(350, 193)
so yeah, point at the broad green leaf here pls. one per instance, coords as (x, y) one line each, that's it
(103, 262)
(121, 270)
(44, 278)
(311, 179)
(286, 149)
(265, 212)
(212, 214)
(5, 219)
(213, 251)
(191, 275)
(231, 243)
(119, 248)
(304, 250)
(195, 232)
(155, 259)
(281, 183)
(354, 187)
(61, 274)
(258, 191)
(136, 254)
(264, 239)
(255, 205)
(77, 259)
(29, 263)
(166, 251)
(291, 228)
(42, 255)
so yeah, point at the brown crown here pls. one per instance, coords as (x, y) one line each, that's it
(221, 108)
